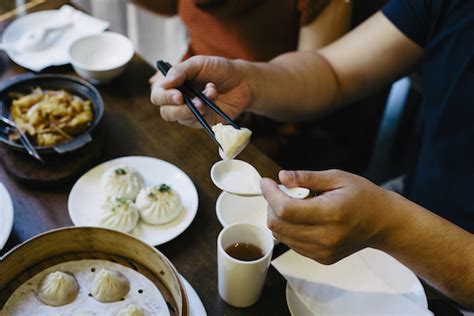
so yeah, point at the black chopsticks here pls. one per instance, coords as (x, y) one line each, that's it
(187, 89)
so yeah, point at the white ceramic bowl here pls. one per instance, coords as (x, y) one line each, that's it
(101, 57)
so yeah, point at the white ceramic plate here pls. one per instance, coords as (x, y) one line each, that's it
(86, 198)
(295, 304)
(6, 215)
(196, 308)
(368, 282)
(57, 52)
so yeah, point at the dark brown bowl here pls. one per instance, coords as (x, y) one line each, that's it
(25, 83)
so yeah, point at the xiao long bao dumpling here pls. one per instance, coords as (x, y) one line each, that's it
(119, 214)
(109, 286)
(122, 181)
(57, 288)
(158, 204)
(132, 310)
(232, 140)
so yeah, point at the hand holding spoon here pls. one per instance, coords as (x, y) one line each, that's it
(241, 178)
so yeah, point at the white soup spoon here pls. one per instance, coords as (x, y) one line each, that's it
(241, 178)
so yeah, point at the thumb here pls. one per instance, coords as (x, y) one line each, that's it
(318, 181)
(182, 72)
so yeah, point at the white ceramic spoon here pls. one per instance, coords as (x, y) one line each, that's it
(241, 178)
(34, 39)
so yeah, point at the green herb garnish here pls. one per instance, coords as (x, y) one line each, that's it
(164, 187)
(121, 200)
(120, 171)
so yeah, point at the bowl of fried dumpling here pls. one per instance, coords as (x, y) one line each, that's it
(89, 271)
(56, 112)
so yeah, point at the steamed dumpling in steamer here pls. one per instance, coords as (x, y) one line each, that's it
(158, 204)
(132, 310)
(57, 288)
(119, 214)
(122, 181)
(109, 286)
(232, 140)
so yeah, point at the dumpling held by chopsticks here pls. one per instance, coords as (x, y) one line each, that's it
(232, 140)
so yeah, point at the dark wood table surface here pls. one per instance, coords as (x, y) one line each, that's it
(133, 126)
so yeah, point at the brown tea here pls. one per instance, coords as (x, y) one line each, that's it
(244, 251)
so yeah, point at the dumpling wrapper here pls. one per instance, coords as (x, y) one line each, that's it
(158, 204)
(122, 181)
(109, 286)
(232, 140)
(57, 288)
(133, 310)
(119, 214)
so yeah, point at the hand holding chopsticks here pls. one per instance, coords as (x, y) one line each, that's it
(187, 90)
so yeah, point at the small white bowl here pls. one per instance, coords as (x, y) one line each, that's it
(101, 57)
(231, 209)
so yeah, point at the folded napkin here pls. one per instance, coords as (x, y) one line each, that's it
(57, 52)
(369, 282)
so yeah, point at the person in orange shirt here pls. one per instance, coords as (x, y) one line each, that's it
(256, 30)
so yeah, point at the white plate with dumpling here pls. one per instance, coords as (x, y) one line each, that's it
(146, 197)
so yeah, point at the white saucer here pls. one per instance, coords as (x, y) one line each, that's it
(196, 308)
(232, 209)
(6, 215)
(86, 198)
(295, 304)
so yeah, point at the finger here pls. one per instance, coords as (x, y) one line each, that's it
(310, 250)
(160, 96)
(211, 91)
(184, 71)
(319, 181)
(300, 232)
(289, 209)
(200, 106)
(173, 113)
(155, 77)
(191, 122)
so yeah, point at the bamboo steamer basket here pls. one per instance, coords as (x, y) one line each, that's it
(75, 243)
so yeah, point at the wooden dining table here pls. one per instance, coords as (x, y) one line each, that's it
(133, 126)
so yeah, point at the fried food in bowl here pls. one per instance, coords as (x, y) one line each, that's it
(50, 117)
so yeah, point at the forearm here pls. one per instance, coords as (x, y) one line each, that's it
(294, 86)
(303, 85)
(435, 249)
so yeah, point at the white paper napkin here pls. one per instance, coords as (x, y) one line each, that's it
(57, 53)
(368, 282)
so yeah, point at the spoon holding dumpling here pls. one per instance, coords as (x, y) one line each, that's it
(241, 178)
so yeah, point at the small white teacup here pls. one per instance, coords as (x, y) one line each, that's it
(241, 282)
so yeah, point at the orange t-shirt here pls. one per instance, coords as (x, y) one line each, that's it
(255, 30)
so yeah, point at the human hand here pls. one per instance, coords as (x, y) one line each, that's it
(221, 80)
(348, 214)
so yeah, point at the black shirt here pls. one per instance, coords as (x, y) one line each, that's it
(443, 180)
